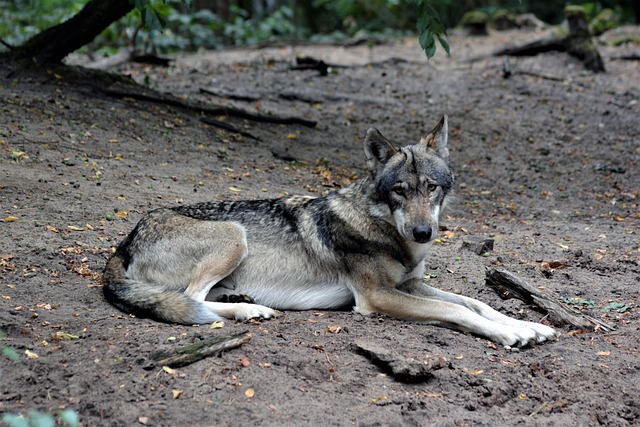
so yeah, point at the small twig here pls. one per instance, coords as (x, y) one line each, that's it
(538, 409)
(227, 126)
(7, 45)
(542, 76)
(235, 97)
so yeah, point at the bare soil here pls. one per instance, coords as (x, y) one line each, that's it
(547, 165)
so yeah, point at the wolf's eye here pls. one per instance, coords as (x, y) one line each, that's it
(432, 187)
(398, 190)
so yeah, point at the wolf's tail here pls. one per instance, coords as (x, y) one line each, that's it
(148, 300)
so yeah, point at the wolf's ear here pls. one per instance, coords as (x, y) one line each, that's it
(437, 139)
(378, 149)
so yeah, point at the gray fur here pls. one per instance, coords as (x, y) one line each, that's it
(363, 245)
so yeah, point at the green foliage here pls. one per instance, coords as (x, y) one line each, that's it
(9, 352)
(429, 28)
(68, 417)
(20, 20)
(244, 30)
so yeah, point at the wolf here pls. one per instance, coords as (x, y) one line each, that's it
(363, 245)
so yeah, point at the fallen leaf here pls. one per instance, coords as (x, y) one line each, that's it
(234, 189)
(522, 396)
(476, 372)
(11, 218)
(168, 370)
(122, 214)
(74, 228)
(143, 420)
(334, 329)
(604, 353)
(30, 354)
(245, 361)
(217, 325)
(249, 393)
(177, 393)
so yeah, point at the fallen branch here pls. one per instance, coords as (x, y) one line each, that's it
(186, 355)
(233, 96)
(405, 370)
(507, 285)
(219, 111)
(227, 126)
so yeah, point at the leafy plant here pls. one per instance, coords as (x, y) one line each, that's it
(618, 307)
(68, 417)
(9, 352)
(430, 28)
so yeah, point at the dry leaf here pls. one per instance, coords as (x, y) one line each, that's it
(476, 372)
(143, 420)
(217, 325)
(177, 393)
(604, 353)
(74, 228)
(334, 329)
(30, 354)
(249, 393)
(168, 370)
(245, 361)
(11, 218)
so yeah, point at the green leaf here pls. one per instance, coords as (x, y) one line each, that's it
(427, 42)
(151, 19)
(619, 307)
(11, 354)
(13, 420)
(444, 44)
(40, 419)
(70, 417)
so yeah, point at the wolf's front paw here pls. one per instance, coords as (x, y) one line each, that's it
(524, 334)
(543, 332)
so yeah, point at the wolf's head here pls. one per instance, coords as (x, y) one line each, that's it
(410, 183)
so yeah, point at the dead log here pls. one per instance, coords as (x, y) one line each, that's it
(186, 355)
(402, 369)
(577, 43)
(507, 285)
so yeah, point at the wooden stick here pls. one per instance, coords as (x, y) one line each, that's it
(507, 285)
(186, 355)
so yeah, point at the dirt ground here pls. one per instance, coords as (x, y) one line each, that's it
(547, 165)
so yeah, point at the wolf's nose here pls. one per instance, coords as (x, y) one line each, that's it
(422, 233)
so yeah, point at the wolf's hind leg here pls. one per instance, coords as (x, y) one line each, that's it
(225, 245)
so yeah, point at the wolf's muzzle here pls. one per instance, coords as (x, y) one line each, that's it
(422, 233)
